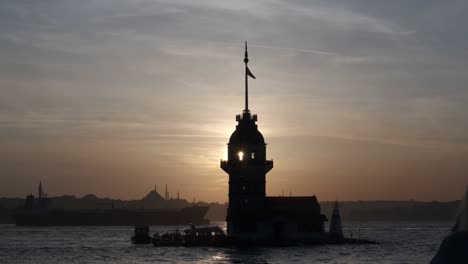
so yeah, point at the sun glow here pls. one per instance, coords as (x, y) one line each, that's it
(224, 153)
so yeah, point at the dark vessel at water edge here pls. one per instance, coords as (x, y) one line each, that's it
(39, 212)
(112, 217)
(141, 235)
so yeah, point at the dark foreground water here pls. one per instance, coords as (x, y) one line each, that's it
(398, 243)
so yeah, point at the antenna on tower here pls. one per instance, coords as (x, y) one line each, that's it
(247, 73)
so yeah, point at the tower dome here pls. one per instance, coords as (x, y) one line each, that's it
(246, 132)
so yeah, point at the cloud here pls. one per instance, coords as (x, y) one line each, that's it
(169, 74)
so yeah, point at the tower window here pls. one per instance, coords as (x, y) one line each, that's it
(241, 155)
(252, 155)
(243, 188)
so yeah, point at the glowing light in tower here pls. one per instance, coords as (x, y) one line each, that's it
(241, 155)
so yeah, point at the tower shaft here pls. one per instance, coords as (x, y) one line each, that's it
(247, 167)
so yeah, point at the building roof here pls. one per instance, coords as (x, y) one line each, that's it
(246, 131)
(301, 209)
(292, 202)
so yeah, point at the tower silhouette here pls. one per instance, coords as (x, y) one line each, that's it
(247, 167)
(251, 215)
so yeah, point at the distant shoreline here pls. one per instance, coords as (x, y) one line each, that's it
(360, 211)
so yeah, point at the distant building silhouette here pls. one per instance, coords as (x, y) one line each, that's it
(39, 204)
(167, 193)
(251, 214)
(40, 191)
(38, 211)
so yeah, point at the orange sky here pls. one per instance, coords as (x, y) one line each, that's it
(355, 102)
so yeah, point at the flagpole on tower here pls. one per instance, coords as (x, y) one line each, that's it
(247, 74)
(246, 60)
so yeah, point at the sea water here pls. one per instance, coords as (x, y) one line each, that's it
(397, 243)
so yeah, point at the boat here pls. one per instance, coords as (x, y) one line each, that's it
(214, 236)
(192, 237)
(112, 217)
(141, 235)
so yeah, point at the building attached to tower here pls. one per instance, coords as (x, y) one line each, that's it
(251, 214)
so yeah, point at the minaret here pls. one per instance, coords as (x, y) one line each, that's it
(247, 167)
(40, 191)
(166, 194)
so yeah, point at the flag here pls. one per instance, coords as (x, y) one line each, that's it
(249, 73)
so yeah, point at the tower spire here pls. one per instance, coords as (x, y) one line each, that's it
(246, 60)
(247, 74)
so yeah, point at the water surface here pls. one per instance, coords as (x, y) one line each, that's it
(398, 243)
